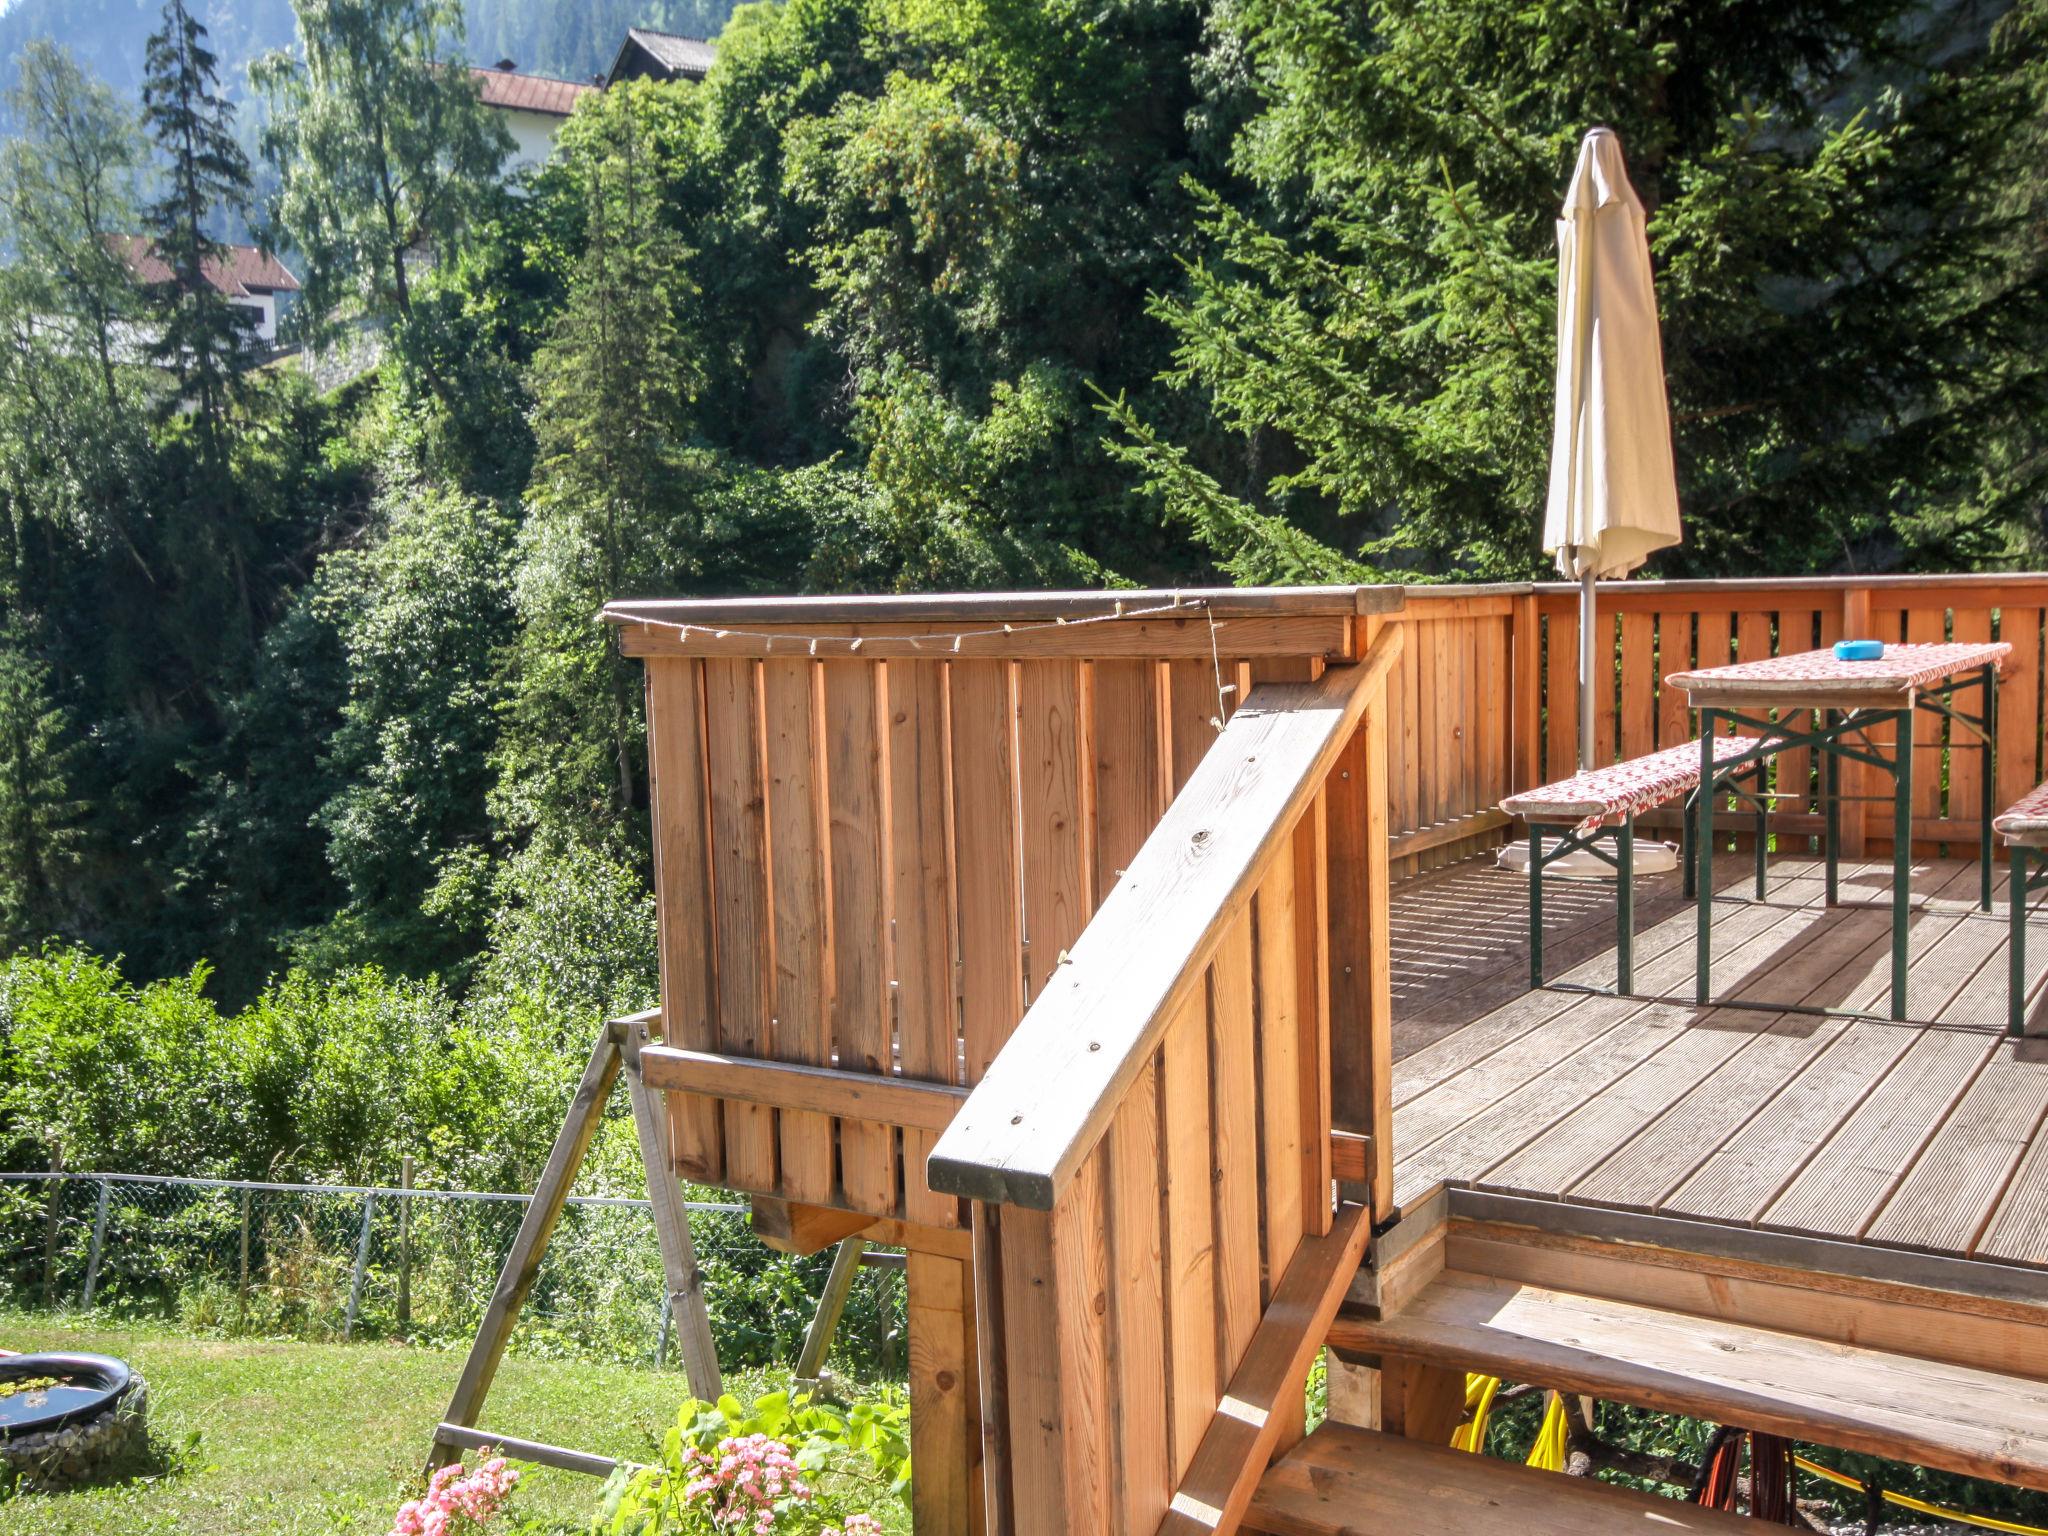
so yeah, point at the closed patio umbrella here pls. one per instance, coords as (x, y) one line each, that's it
(1613, 489)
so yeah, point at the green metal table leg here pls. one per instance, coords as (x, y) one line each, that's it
(1535, 905)
(2016, 943)
(1763, 838)
(1625, 908)
(1985, 790)
(1831, 805)
(1703, 942)
(1902, 858)
(1687, 841)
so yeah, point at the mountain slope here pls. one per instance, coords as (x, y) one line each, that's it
(571, 38)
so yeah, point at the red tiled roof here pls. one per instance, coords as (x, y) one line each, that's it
(240, 272)
(529, 93)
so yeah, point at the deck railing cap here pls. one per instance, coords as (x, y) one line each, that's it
(1001, 607)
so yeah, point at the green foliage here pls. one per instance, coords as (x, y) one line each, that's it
(67, 184)
(38, 817)
(1376, 321)
(421, 612)
(380, 146)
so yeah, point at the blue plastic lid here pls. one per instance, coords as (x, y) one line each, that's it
(1859, 650)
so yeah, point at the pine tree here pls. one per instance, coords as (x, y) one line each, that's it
(1846, 222)
(201, 335)
(612, 389)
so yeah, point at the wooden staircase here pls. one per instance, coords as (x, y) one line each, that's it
(1360, 1483)
(1958, 1418)
(1948, 1380)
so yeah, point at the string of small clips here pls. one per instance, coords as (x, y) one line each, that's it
(949, 642)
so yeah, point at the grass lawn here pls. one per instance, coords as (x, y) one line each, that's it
(297, 1439)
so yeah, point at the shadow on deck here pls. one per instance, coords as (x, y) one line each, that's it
(1929, 1135)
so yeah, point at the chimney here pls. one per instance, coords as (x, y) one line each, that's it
(507, 65)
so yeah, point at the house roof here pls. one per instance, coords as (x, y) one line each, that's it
(240, 271)
(514, 92)
(670, 55)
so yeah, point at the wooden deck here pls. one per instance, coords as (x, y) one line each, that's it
(1929, 1135)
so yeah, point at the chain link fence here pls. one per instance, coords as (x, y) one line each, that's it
(333, 1262)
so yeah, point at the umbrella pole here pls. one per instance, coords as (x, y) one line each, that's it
(1587, 669)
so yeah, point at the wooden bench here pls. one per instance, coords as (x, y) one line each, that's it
(2024, 827)
(1600, 805)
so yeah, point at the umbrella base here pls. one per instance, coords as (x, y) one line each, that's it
(1651, 859)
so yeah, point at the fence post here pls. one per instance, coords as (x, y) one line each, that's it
(99, 1238)
(355, 1284)
(405, 1242)
(50, 1230)
(242, 1286)
(1525, 707)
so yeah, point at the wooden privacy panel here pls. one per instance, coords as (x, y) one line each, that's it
(1209, 1176)
(875, 864)
(1451, 726)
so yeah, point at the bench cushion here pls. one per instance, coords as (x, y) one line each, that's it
(1602, 794)
(2026, 819)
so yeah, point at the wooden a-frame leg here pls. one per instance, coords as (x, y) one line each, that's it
(522, 1262)
(680, 1274)
(810, 1361)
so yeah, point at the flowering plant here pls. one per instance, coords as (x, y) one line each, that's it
(777, 1471)
(457, 1502)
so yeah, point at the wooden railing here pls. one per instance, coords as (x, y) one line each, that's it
(1169, 1092)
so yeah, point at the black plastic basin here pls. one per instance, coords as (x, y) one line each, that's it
(86, 1385)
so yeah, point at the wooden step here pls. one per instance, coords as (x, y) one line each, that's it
(1351, 1482)
(1977, 1422)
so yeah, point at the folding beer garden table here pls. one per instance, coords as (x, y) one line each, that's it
(1851, 697)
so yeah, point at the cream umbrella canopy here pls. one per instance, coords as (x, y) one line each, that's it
(1613, 489)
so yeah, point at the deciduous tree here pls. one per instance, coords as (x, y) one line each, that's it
(382, 143)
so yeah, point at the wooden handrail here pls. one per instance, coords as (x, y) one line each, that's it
(1057, 1082)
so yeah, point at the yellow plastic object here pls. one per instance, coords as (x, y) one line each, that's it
(1547, 1454)
(1920, 1506)
(1471, 1435)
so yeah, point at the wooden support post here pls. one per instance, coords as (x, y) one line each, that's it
(1352, 1389)
(1374, 993)
(810, 1361)
(1420, 1401)
(522, 1261)
(991, 1374)
(1853, 778)
(684, 1281)
(945, 1429)
(1525, 711)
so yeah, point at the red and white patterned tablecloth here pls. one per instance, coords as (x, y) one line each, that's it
(1901, 669)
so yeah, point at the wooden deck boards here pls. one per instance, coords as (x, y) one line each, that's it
(1930, 1134)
